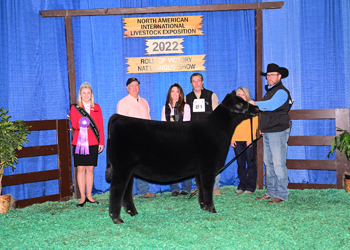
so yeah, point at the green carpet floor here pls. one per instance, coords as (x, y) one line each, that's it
(310, 219)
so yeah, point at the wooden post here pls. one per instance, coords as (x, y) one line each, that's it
(70, 59)
(258, 92)
(71, 81)
(342, 164)
(1, 174)
(64, 159)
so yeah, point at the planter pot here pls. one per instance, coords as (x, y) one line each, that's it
(6, 202)
(347, 184)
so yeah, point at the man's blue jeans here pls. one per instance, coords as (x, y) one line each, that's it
(275, 157)
(186, 186)
(142, 186)
(217, 181)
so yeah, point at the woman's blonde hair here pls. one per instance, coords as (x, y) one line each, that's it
(245, 91)
(83, 86)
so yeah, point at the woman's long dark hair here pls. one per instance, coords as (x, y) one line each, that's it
(180, 102)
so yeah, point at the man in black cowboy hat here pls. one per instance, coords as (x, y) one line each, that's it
(275, 125)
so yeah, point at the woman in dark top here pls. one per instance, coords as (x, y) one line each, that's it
(176, 110)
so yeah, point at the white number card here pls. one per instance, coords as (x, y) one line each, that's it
(198, 105)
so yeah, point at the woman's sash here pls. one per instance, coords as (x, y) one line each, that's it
(92, 122)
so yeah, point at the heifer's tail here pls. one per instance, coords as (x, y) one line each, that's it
(109, 169)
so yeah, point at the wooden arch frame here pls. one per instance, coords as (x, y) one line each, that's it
(257, 7)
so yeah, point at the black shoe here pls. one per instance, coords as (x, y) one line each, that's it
(91, 201)
(175, 193)
(82, 204)
(184, 193)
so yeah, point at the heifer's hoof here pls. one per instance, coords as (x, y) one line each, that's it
(204, 207)
(208, 208)
(118, 221)
(212, 210)
(116, 218)
(132, 213)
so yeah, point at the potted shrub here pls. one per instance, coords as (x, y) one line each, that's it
(12, 137)
(342, 144)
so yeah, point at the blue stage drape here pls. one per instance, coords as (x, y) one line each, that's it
(310, 38)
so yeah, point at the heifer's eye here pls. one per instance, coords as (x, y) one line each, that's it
(239, 105)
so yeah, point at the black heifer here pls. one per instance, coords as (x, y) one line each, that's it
(165, 152)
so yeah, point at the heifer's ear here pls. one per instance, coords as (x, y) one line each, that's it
(226, 97)
(233, 93)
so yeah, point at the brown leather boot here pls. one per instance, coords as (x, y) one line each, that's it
(148, 195)
(216, 191)
(265, 197)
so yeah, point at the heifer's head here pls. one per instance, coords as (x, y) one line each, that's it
(236, 104)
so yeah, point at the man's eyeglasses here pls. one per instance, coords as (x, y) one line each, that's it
(271, 75)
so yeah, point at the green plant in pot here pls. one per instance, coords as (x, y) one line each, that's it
(342, 144)
(12, 137)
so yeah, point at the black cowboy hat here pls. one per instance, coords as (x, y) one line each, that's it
(275, 68)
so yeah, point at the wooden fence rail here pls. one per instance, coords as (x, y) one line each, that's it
(63, 173)
(340, 165)
(63, 150)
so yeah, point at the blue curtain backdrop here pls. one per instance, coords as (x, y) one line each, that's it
(310, 38)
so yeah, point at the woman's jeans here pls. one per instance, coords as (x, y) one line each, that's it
(246, 166)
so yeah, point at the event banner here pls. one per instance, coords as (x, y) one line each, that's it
(159, 64)
(164, 46)
(163, 26)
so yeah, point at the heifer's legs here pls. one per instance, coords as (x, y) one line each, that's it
(207, 183)
(128, 202)
(115, 196)
(116, 193)
(200, 190)
(109, 169)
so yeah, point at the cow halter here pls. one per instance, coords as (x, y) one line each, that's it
(238, 111)
(242, 111)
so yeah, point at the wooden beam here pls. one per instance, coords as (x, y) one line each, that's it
(41, 125)
(307, 114)
(303, 186)
(161, 9)
(37, 151)
(31, 201)
(64, 159)
(312, 164)
(17, 179)
(258, 55)
(341, 121)
(316, 140)
(259, 91)
(70, 60)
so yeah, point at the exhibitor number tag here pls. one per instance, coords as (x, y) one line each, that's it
(198, 105)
